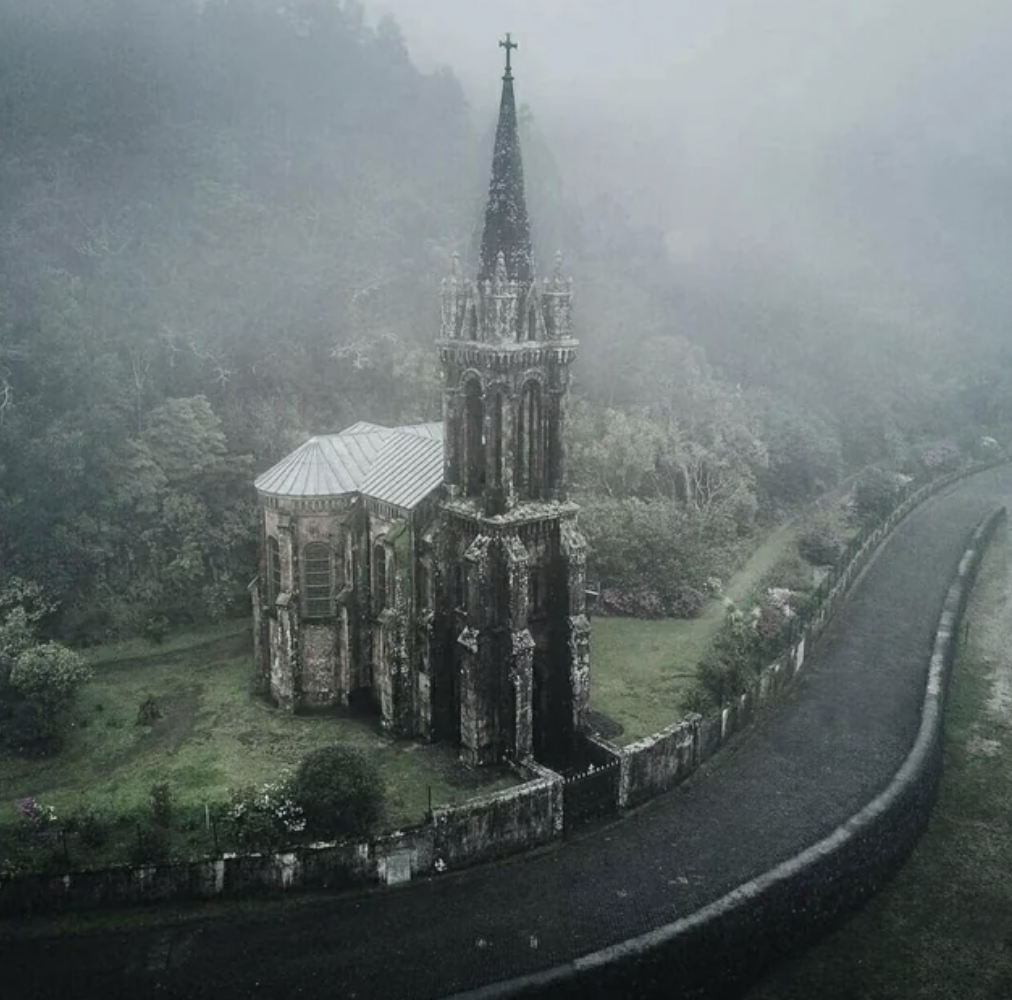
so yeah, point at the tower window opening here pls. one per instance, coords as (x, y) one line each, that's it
(530, 442)
(474, 438)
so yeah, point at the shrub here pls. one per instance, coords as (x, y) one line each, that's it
(687, 602)
(149, 711)
(45, 679)
(156, 628)
(876, 493)
(266, 817)
(90, 826)
(821, 543)
(339, 791)
(150, 847)
(162, 804)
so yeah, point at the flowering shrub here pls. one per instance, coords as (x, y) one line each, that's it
(638, 603)
(265, 817)
(35, 814)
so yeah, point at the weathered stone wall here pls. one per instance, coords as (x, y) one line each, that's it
(319, 655)
(506, 822)
(487, 827)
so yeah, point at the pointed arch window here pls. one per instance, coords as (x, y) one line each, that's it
(317, 581)
(474, 437)
(273, 569)
(530, 442)
(380, 577)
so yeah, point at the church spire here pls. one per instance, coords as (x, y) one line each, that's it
(507, 229)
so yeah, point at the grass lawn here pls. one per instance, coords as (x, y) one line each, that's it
(942, 927)
(640, 670)
(213, 736)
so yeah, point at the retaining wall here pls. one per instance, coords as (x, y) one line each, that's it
(483, 828)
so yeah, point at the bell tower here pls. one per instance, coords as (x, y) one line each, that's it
(512, 626)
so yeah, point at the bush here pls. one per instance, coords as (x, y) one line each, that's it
(156, 628)
(264, 818)
(876, 493)
(687, 602)
(44, 680)
(161, 803)
(821, 543)
(90, 827)
(149, 711)
(150, 847)
(339, 791)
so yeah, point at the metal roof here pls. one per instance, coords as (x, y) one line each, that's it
(397, 465)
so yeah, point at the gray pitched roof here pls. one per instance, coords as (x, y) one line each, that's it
(397, 465)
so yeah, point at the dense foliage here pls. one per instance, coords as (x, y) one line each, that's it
(223, 225)
(339, 792)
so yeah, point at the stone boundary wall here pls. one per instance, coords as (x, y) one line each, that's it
(658, 762)
(481, 829)
(724, 945)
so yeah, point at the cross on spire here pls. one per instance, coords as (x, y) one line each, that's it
(508, 45)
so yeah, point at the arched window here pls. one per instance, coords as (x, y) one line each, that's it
(317, 581)
(495, 437)
(474, 438)
(273, 569)
(530, 443)
(424, 584)
(380, 594)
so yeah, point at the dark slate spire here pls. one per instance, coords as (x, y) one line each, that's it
(507, 229)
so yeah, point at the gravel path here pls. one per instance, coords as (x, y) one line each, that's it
(836, 741)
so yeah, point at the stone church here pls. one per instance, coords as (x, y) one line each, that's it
(436, 572)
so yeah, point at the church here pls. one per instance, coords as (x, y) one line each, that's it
(436, 572)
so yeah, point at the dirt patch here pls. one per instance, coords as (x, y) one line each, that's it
(168, 733)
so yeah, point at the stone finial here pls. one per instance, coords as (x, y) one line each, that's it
(455, 265)
(557, 278)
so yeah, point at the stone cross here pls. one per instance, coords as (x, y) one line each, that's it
(508, 45)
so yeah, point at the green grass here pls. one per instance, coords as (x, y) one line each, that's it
(640, 670)
(213, 736)
(177, 641)
(941, 928)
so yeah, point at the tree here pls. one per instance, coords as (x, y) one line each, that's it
(44, 681)
(339, 791)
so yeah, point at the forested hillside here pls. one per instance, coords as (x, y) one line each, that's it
(223, 225)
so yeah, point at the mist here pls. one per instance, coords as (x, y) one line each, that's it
(854, 153)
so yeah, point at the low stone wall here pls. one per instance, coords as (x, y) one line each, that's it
(484, 828)
(506, 822)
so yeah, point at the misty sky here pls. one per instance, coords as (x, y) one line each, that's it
(863, 146)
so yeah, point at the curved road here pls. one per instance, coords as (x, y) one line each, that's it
(835, 742)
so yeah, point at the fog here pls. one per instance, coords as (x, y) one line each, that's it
(854, 151)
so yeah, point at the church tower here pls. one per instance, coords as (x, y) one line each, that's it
(511, 633)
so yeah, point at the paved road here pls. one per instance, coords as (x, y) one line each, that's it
(836, 741)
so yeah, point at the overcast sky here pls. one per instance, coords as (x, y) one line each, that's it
(857, 141)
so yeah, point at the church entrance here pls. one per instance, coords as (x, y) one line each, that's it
(550, 733)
